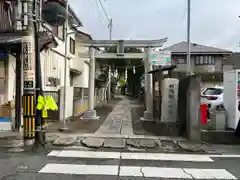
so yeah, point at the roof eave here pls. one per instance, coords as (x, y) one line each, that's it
(80, 24)
(85, 34)
(217, 53)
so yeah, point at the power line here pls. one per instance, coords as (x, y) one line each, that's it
(99, 12)
(104, 10)
(184, 14)
(110, 23)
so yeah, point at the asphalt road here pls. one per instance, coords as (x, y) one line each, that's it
(98, 165)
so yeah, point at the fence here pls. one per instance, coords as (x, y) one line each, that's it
(80, 96)
(80, 99)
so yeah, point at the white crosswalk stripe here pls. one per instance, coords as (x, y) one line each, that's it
(137, 171)
(135, 156)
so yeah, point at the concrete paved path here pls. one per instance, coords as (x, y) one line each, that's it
(119, 121)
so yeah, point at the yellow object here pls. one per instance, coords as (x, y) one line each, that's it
(52, 104)
(29, 116)
(122, 82)
(46, 103)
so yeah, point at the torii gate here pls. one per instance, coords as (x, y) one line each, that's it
(146, 55)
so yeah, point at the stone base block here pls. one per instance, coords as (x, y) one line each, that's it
(29, 142)
(90, 115)
(148, 116)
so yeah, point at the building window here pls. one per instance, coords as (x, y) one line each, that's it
(58, 32)
(197, 60)
(181, 61)
(201, 60)
(205, 60)
(72, 46)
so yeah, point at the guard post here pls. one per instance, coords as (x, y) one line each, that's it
(29, 76)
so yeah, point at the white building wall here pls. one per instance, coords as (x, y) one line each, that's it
(7, 79)
(81, 52)
(82, 80)
(11, 68)
(2, 82)
(53, 64)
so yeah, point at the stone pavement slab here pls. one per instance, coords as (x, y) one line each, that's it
(170, 145)
(191, 147)
(133, 142)
(122, 142)
(158, 143)
(51, 137)
(119, 121)
(114, 143)
(125, 142)
(93, 142)
(65, 141)
(147, 143)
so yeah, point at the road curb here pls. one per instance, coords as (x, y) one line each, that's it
(112, 136)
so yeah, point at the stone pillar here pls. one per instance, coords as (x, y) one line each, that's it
(148, 114)
(91, 112)
(109, 83)
(169, 100)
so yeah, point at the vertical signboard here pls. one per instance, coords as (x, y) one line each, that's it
(29, 109)
(28, 56)
(169, 100)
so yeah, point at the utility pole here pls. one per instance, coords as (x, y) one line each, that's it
(109, 67)
(29, 72)
(40, 136)
(65, 68)
(189, 69)
(110, 29)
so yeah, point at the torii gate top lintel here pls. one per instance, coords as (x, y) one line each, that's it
(126, 43)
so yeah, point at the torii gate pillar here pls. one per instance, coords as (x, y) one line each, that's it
(148, 113)
(91, 112)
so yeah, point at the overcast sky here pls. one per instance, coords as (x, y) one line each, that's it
(213, 22)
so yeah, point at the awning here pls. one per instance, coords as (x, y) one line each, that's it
(10, 39)
(7, 41)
